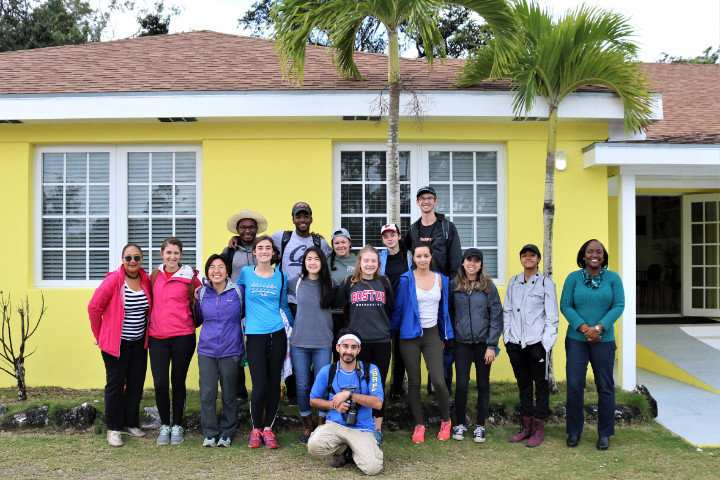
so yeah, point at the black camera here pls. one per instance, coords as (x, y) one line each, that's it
(352, 412)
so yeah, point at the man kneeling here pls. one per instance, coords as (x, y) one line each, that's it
(349, 390)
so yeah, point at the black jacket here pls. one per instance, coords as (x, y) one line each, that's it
(476, 317)
(447, 251)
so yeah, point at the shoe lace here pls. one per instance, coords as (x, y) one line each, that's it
(176, 430)
(479, 431)
(461, 429)
(268, 435)
(164, 430)
(255, 435)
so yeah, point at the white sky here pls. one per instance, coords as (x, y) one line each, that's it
(683, 28)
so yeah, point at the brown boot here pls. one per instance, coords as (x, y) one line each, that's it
(321, 420)
(537, 434)
(308, 428)
(525, 431)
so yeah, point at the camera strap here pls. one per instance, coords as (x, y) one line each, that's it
(335, 366)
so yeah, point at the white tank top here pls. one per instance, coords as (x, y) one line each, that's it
(428, 304)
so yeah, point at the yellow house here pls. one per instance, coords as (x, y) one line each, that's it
(140, 139)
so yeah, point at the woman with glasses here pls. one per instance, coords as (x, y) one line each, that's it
(118, 314)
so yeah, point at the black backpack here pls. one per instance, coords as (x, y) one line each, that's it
(286, 238)
(365, 375)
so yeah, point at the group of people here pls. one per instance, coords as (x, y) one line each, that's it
(328, 321)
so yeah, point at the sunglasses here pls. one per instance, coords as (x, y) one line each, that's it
(129, 258)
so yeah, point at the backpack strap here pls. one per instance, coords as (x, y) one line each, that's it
(331, 377)
(446, 228)
(365, 375)
(153, 276)
(282, 285)
(283, 243)
(316, 239)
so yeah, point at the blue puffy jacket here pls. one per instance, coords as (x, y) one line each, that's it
(221, 335)
(406, 316)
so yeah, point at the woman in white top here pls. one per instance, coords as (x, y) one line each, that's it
(421, 316)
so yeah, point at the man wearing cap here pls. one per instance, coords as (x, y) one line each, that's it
(434, 228)
(247, 224)
(530, 328)
(337, 388)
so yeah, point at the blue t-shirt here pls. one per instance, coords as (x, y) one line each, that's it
(263, 301)
(345, 381)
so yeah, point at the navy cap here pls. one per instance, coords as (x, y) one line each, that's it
(531, 248)
(425, 189)
(473, 252)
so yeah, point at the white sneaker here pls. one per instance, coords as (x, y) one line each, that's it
(113, 438)
(224, 442)
(209, 442)
(134, 432)
(479, 435)
(459, 432)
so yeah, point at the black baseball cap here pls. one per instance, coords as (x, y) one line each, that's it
(473, 252)
(301, 207)
(532, 248)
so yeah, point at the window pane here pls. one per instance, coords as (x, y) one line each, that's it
(52, 232)
(405, 198)
(490, 262)
(99, 200)
(99, 262)
(443, 196)
(372, 230)
(52, 265)
(99, 232)
(138, 167)
(53, 167)
(185, 200)
(52, 200)
(76, 265)
(138, 200)
(464, 227)
(75, 200)
(99, 167)
(404, 166)
(350, 166)
(439, 166)
(162, 199)
(76, 165)
(462, 166)
(486, 232)
(486, 199)
(350, 199)
(711, 233)
(189, 257)
(696, 212)
(161, 229)
(185, 231)
(711, 211)
(75, 232)
(462, 199)
(375, 199)
(139, 231)
(162, 167)
(185, 167)
(354, 225)
(486, 166)
(375, 166)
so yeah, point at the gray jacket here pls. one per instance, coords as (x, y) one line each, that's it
(476, 316)
(531, 314)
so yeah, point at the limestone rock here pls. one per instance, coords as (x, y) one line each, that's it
(152, 419)
(81, 417)
(3, 409)
(643, 390)
(284, 421)
(33, 417)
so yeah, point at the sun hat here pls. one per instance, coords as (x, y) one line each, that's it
(232, 222)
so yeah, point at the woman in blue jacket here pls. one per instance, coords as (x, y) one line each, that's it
(220, 349)
(421, 316)
(478, 322)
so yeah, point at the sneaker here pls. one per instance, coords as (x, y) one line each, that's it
(114, 439)
(255, 438)
(444, 433)
(269, 439)
(459, 432)
(479, 435)
(134, 432)
(224, 442)
(164, 437)
(176, 435)
(378, 436)
(209, 442)
(419, 434)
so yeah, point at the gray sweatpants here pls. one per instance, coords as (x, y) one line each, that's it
(212, 370)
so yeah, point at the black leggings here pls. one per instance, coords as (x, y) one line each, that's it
(266, 354)
(164, 352)
(379, 355)
(465, 355)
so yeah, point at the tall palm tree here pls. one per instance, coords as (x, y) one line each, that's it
(588, 46)
(340, 20)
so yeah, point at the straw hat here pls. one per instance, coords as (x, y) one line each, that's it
(259, 219)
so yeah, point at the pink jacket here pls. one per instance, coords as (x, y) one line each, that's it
(171, 316)
(107, 310)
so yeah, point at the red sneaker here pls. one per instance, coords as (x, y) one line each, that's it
(255, 438)
(419, 434)
(269, 439)
(444, 431)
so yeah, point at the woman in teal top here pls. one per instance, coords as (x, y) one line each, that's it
(592, 300)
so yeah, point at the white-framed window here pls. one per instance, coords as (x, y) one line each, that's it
(469, 180)
(91, 200)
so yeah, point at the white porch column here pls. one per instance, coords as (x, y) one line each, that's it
(628, 266)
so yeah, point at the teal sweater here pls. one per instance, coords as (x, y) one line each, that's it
(582, 304)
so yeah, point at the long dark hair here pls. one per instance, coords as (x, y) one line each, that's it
(333, 255)
(581, 254)
(327, 296)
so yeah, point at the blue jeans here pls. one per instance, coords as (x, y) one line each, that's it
(601, 357)
(302, 358)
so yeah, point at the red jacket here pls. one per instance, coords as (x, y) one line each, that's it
(171, 316)
(107, 310)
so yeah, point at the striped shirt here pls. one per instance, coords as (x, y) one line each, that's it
(136, 307)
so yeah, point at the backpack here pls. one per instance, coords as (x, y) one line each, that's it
(286, 239)
(201, 294)
(191, 291)
(365, 375)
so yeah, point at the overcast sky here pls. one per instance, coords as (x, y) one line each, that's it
(680, 28)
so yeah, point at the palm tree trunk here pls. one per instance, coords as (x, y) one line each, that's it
(393, 163)
(549, 218)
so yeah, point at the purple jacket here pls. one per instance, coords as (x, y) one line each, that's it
(221, 335)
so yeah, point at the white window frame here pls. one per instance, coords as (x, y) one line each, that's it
(118, 207)
(420, 175)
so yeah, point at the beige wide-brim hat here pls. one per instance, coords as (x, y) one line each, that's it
(259, 219)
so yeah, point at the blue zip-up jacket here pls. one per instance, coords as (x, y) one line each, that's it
(406, 316)
(221, 335)
(383, 260)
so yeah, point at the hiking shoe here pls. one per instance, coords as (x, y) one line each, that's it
(134, 432)
(479, 435)
(338, 460)
(164, 437)
(176, 435)
(419, 434)
(378, 436)
(255, 438)
(209, 442)
(224, 442)
(444, 433)
(114, 439)
(459, 432)
(269, 439)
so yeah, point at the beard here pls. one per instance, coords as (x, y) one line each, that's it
(345, 358)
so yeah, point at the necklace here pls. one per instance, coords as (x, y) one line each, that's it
(131, 277)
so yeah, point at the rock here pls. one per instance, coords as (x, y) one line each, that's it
(558, 411)
(81, 417)
(33, 417)
(284, 421)
(152, 419)
(3, 409)
(244, 416)
(643, 390)
(497, 414)
(398, 417)
(192, 423)
(627, 414)
(591, 412)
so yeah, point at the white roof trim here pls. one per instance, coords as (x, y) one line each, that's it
(459, 105)
(649, 157)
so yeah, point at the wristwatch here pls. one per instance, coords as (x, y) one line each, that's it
(597, 327)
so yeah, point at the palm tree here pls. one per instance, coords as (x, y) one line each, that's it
(295, 20)
(588, 46)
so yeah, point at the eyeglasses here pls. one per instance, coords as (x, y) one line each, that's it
(247, 227)
(130, 258)
(217, 267)
(426, 198)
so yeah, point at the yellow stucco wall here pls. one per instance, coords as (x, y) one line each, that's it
(277, 165)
